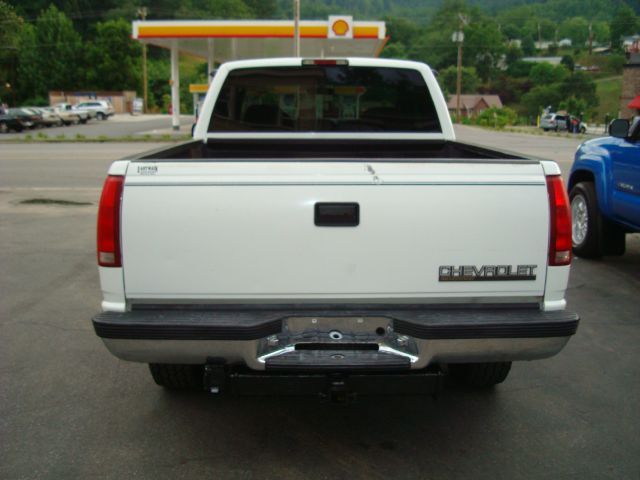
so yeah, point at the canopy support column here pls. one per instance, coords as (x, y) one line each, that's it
(175, 86)
(210, 59)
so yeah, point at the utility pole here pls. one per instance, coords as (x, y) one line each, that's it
(459, 79)
(458, 37)
(296, 28)
(142, 12)
(539, 35)
(590, 38)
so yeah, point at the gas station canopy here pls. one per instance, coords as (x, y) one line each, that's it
(236, 40)
(219, 41)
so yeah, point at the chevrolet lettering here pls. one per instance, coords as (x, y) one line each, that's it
(487, 273)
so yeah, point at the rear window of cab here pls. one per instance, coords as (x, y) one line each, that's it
(335, 98)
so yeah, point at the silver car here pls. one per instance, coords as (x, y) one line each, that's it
(554, 121)
(102, 109)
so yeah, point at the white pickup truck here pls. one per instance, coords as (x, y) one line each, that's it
(324, 231)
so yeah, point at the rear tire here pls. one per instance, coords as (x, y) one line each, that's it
(480, 375)
(177, 376)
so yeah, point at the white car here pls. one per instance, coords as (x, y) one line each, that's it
(102, 109)
(68, 111)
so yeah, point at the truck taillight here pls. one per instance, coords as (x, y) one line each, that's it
(109, 222)
(560, 222)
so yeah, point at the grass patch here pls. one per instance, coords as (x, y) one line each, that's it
(53, 201)
(608, 91)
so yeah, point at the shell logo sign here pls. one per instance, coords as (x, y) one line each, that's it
(340, 26)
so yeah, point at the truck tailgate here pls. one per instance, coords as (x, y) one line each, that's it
(207, 231)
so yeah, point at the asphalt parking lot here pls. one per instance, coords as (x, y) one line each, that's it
(68, 409)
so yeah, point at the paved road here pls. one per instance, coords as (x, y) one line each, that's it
(70, 410)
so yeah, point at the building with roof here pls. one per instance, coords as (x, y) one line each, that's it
(218, 41)
(473, 105)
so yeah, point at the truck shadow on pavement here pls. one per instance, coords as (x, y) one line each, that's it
(303, 436)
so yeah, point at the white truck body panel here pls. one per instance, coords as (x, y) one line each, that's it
(246, 230)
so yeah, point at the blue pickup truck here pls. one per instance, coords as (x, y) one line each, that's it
(604, 188)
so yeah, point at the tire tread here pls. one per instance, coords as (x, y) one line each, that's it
(480, 375)
(176, 376)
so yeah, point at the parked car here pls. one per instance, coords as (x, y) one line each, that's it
(29, 118)
(101, 108)
(82, 115)
(10, 121)
(68, 114)
(49, 116)
(554, 121)
(604, 188)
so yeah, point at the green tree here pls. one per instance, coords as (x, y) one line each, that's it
(601, 32)
(546, 74)
(625, 22)
(538, 98)
(49, 56)
(12, 25)
(115, 58)
(158, 72)
(520, 69)
(214, 9)
(528, 45)
(484, 48)
(574, 106)
(401, 30)
(538, 27)
(448, 78)
(577, 29)
(395, 50)
(581, 86)
(263, 8)
(513, 55)
(568, 62)
(434, 45)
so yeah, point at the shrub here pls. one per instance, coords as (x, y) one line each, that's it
(496, 117)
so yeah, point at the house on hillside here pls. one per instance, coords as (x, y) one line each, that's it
(631, 44)
(473, 105)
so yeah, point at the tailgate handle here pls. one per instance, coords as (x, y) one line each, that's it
(337, 215)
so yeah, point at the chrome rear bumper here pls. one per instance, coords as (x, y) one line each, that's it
(274, 337)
